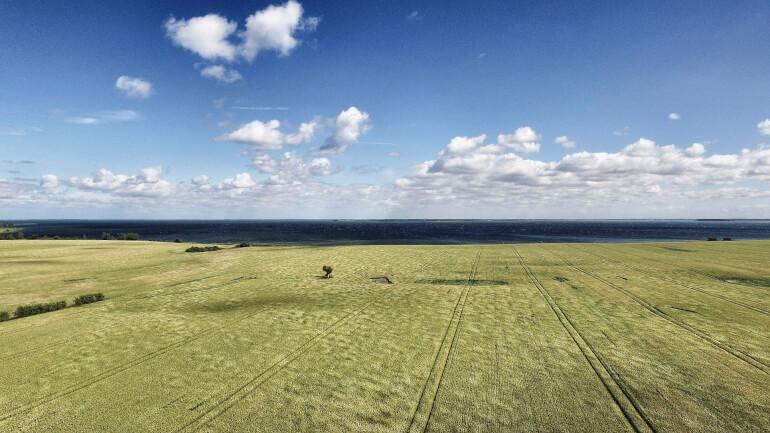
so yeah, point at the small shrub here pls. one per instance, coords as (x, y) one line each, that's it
(177, 241)
(89, 298)
(32, 309)
(56, 238)
(711, 239)
(107, 236)
(727, 239)
(129, 236)
(202, 249)
(328, 269)
(4, 316)
(242, 245)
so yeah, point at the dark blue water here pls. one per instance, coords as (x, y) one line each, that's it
(406, 231)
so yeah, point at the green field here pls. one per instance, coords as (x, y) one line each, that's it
(651, 337)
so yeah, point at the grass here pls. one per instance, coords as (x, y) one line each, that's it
(499, 338)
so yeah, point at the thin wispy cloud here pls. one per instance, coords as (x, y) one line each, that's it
(565, 142)
(18, 162)
(107, 116)
(221, 74)
(414, 16)
(259, 108)
(622, 132)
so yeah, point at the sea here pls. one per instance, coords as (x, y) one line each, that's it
(403, 231)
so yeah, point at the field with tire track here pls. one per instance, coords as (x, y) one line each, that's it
(651, 337)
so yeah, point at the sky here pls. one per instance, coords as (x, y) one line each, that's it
(341, 109)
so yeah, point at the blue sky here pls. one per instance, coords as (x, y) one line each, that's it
(387, 87)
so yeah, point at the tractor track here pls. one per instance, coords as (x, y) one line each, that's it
(678, 283)
(428, 401)
(243, 391)
(123, 367)
(613, 383)
(105, 374)
(117, 369)
(739, 354)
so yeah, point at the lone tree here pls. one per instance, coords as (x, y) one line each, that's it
(328, 269)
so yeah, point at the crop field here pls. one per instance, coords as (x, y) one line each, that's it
(655, 337)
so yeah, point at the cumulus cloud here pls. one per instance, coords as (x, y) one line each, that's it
(466, 172)
(674, 116)
(290, 167)
(764, 127)
(565, 142)
(240, 181)
(106, 116)
(147, 182)
(523, 140)
(206, 36)
(200, 180)
(349, 126)
(294, 188)
(274, 28)
(696, 149)
(49, 181)
(214, 37)
(134, 87)
(268, 136)
(469, 177)
(221, 73)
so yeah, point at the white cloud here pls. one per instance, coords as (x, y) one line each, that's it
(642, 172)
(622, 132)
(273, 28)
(263, 135)
(764, 127)
(18, 132)
(524, 140)
(350, 125)
(206, 36)
(200, 180)
(674, 116)
(290, 167)
(268, 136)
(105, 117)
(147, 182)
(221, 73)
(696, 149)
(240, 181)
(49, 181)
(305, 133)
(474, 179)
(150, 174)
(393, 154)
(414, 16)
(134, 87)
(565, 142)
(260, 108)
(465, 144)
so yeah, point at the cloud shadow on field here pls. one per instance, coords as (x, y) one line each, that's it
(272, 300)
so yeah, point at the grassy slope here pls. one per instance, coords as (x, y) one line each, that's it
(652, 337)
